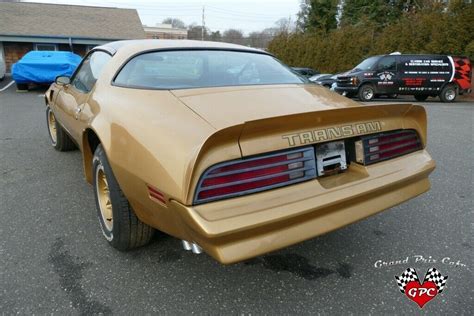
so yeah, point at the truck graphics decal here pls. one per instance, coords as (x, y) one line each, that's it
(463, 72)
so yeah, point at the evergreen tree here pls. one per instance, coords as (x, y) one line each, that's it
(380, 12)
(319, 15)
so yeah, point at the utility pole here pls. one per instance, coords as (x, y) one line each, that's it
(203, 24)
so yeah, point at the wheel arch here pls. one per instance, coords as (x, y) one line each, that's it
(90, 141)
(450, 83)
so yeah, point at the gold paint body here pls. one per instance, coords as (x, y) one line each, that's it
(167, 139)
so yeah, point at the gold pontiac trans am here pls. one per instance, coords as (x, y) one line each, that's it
(227, 149)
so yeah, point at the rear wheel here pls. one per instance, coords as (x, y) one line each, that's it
(22, 86)
(120, 226)
(448, 94)
(421, 97)
(60, 140)
(366, 93)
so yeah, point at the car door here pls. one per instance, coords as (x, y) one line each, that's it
(387, 82)
(72, 97)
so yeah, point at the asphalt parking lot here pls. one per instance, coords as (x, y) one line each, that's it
(53, 258)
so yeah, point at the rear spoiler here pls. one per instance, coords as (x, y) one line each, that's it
(291, 131)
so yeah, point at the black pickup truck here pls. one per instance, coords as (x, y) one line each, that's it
(422, 76)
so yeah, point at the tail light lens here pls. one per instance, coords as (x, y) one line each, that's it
(378, 147)
(245, 176)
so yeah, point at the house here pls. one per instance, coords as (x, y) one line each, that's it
(26, 26)
(165, 31)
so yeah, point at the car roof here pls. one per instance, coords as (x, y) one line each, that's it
(157, 44)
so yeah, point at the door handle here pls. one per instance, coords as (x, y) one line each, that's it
(77, 113)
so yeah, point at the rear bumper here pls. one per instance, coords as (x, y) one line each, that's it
(241, 228)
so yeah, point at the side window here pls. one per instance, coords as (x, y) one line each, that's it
(388, 63)
(90, 71)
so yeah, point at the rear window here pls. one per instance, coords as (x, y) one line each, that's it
(203, 68)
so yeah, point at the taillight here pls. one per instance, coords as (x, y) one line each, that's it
(379, 147)
(245, 176)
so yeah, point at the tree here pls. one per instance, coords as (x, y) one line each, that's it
(215, 36)
(380, 12)
(322, 15)
(195, 32)
(233, 36)
(284, 25)
(177, 23)
(302, 16)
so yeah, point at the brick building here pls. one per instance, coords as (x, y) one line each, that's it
(28, 26)
(165, 31)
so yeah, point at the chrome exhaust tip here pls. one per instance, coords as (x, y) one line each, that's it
(196, 249)
(186, 245)
(191, 246)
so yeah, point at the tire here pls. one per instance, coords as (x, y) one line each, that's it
(118, 222)
(60, 140)
(421, 97)
(366, 93)
(448, 94)
(22, 86)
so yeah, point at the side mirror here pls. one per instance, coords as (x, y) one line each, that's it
(62, 80)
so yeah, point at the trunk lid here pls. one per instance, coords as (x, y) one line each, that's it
(228, 106)
(266, 119)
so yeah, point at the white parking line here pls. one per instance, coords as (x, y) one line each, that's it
(7, 86)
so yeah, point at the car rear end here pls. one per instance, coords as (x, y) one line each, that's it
(302, 175)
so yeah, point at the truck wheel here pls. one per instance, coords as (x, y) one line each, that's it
(366, 93)
(120, 226)
(448, 94)
(421, 97)
(60, 140)
(22, 86)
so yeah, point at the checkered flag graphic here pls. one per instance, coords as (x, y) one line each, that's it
(407, 276)
(435, 276)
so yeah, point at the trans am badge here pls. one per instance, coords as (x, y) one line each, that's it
(421, 293)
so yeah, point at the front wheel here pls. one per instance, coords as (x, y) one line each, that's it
(120, 226)
(58, 137)
(366, 93)
(448, 94)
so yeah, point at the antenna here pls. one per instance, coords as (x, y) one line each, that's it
(203, 24)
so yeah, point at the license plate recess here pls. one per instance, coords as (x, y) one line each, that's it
(331, 158)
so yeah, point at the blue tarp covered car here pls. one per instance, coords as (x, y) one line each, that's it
(42, 67)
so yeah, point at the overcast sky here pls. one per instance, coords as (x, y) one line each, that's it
(246, 15)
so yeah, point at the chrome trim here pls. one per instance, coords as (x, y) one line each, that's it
(186, 245)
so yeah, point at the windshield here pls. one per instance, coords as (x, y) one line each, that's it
(368, 64)
(203, 68)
